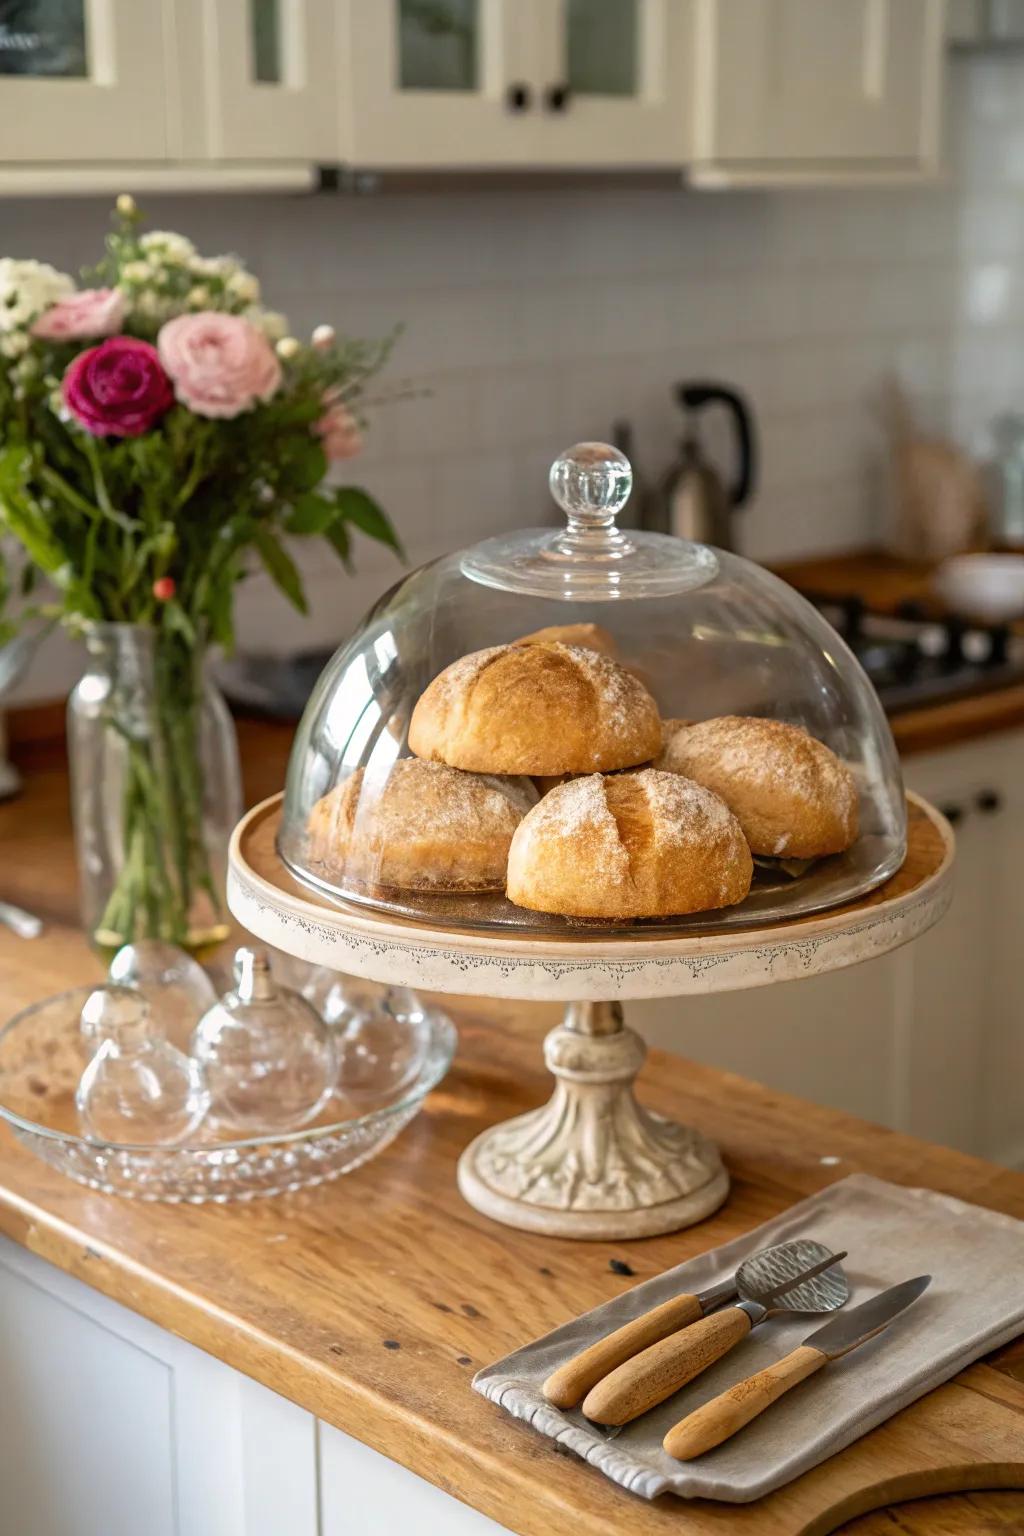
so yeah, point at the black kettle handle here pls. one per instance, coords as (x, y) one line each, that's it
(694, 396)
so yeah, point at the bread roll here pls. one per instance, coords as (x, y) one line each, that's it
(643, 844)
(538, 709)
(793, 798)
(429, 826)
(591, 636)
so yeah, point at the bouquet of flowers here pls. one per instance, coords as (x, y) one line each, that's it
(162, 435)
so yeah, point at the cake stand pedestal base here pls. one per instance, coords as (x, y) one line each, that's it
(592, 1163)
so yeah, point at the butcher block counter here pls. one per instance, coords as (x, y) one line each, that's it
(365, 1307)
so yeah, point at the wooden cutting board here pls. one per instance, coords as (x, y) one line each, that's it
(966, 1435)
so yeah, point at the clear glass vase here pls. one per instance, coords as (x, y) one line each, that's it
(155, 790)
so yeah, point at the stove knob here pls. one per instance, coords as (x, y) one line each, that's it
(989, 801)
(933, 641)
(977, 646)
(952, 813)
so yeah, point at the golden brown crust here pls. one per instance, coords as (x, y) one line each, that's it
(539, 709)
(591, 636)
(428, 826)
(642, 844)
(792, 796)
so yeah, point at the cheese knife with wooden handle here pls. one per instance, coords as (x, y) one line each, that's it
(717, 1420)
(761, 1276)
(655, 1373)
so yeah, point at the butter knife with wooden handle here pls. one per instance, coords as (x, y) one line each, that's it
(570, 1383)
(719, 1419)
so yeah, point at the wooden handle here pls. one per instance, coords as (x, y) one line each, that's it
(572, 1381)
(657, 1372)
(709, 1425)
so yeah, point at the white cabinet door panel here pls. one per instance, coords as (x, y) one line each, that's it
(362, 1493)
(84, 81)
(614, 82)
(264, 76)
(85, 1423)
(810, 81)
(430, 83)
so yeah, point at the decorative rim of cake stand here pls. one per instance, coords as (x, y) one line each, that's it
(271, 904)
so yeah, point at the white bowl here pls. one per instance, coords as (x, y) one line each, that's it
(989, 587)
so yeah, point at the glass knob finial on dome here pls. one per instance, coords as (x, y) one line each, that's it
(591, 483)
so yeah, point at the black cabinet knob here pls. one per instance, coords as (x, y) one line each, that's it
(953, 813)
(989, 801)
(558, 97)
(519, 98)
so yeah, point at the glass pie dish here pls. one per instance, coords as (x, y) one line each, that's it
(707, 632)
(43, 1054)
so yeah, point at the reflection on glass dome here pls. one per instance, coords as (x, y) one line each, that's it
(703, 632)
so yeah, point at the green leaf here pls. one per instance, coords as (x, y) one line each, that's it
(337, 537)
(310, 514)
(359, 508)
(281, 568)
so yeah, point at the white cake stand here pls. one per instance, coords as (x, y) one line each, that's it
(592, 1163)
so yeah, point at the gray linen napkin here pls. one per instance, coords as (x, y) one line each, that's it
(974, 1304)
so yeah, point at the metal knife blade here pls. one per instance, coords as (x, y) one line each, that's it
(862, 1323)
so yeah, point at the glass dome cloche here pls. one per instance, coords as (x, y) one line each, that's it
(547, 693)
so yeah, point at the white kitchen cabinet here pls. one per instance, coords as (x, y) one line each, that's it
(263, 79)
(83, 80)
(804, 86)
(110, 1426)
(612, 88)
(439, 83)
(929, 1039)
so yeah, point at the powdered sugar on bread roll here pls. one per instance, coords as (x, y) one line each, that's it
(428, 826)
(643, 844)
(792, 796)
(538, 709)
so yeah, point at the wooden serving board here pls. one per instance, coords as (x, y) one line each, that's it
(965, 1436)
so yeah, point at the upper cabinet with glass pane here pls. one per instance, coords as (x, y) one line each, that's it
(723, 90)
(440, 83)
(617, 82)
(269, 73)
(71, 88)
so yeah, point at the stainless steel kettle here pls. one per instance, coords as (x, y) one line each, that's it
(693, 501)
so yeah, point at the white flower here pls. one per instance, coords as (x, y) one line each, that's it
(149, 304)
(287, 348)
(13, 343)
(126, 205)
(199, 297)
(213, 266)
(176, 250)
(323, 338)
(244, 286)
(273, 325)
(136, 272)
(26, 289)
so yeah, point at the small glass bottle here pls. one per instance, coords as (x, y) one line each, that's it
(137, 1089)
(380, 1034)
(268, 1056)
(174, 985)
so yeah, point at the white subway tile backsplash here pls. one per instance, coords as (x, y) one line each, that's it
(532, 320)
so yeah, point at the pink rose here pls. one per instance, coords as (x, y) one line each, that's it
(81, 316)
(338, 430)
(117, 389)
(220, 364)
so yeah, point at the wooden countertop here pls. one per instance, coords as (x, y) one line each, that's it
(884, 582)
(311, 1293)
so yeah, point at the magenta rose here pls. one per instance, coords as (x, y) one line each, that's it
(117, 389)
(338, 430)
(82, 316)
(221, 365)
